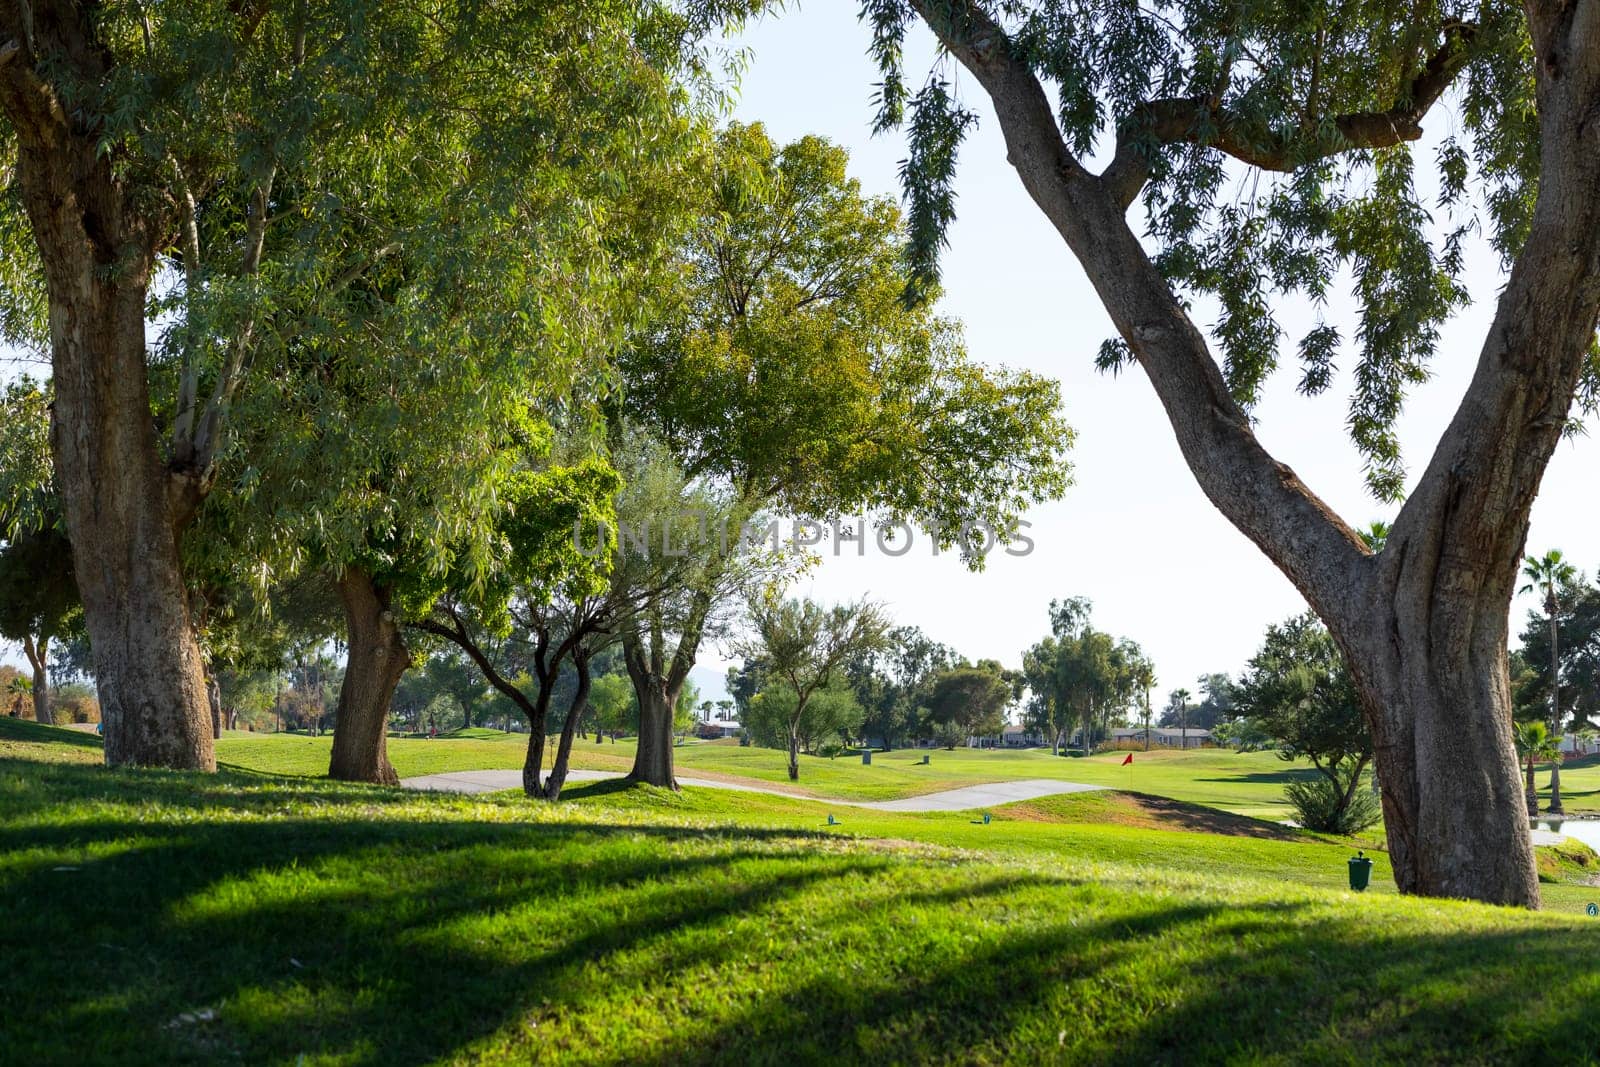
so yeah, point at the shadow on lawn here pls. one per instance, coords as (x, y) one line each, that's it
(1283, 777)
(377, 940)
(1177, 814)
(25, 730)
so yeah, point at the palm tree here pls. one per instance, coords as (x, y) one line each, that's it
(19, 688)
(1548, 573)
(1376, 535)
(1180, 698)
(1535, 741)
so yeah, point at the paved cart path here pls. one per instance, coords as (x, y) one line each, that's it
(963, 799)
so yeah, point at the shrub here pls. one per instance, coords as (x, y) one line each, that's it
(1320, 806)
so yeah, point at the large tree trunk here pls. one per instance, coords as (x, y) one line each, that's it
(123, 511)
(794, 755)
(538, 716)
(38, 654)
(652, 761)
(377, 660)
(656, 684)
(1423, 622)
(124, 535)
(1428, 658)
(580, 699)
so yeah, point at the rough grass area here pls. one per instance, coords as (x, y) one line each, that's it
(152, 917)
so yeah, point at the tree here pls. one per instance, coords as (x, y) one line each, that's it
(1216, 700)
(1535, 742)
(1178, 711)
(1041, 709)
(683, 717)
(220, 174)
(832, 715)
(1271, 150)
(1577, 662)
(1298, 690)
(557, 594)
(1081, 675)
(1548, 573)
(973, 698)
(893, 684)
(806, 645)
(787, 376)
(38, 593)
(38, 599)
(611, 697)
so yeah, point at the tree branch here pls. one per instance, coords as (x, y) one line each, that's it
(457, 635)
(1203, 121)
(1262, 497)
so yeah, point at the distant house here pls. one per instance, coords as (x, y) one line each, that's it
(1015, 736)
(712, 729)
(1573, 745)
(1163, 736)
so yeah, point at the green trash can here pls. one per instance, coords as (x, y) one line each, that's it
(1360, 871)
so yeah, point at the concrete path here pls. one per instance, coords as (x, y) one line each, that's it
(964, 799)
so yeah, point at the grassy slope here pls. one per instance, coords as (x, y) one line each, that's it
(362, 925)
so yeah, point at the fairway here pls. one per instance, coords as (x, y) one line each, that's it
(1247, 783)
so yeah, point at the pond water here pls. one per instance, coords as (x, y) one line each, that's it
(1546, 829)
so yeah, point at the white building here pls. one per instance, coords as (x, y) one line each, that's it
(1162, 736)
(711, 729)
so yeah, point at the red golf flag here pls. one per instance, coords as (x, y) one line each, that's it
(1128, 760)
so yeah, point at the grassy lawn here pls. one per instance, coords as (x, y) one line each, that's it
(1580, 785)
(158, 917)
(1247, 783)
(473, 750)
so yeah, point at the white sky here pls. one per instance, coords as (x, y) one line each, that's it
(1134, 534)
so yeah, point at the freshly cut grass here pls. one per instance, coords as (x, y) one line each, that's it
(1247, 783)
(153, 917)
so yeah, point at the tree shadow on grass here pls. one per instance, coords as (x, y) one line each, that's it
(375, 939)
(1283, 777)
(1178, 815)
(1251, 985)
(350, 937)
(24, 730)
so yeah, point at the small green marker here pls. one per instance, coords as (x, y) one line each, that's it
(1592, 908)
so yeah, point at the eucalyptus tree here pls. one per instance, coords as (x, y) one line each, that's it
(787, 376)
(38, 593)
(1547, 574)
(1081, 676)
(38, 601)
(1041, 709)
(1271, 149)
(894, 684)
(538, 585)
(805, 646)
(219, 174)
(973, 697)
